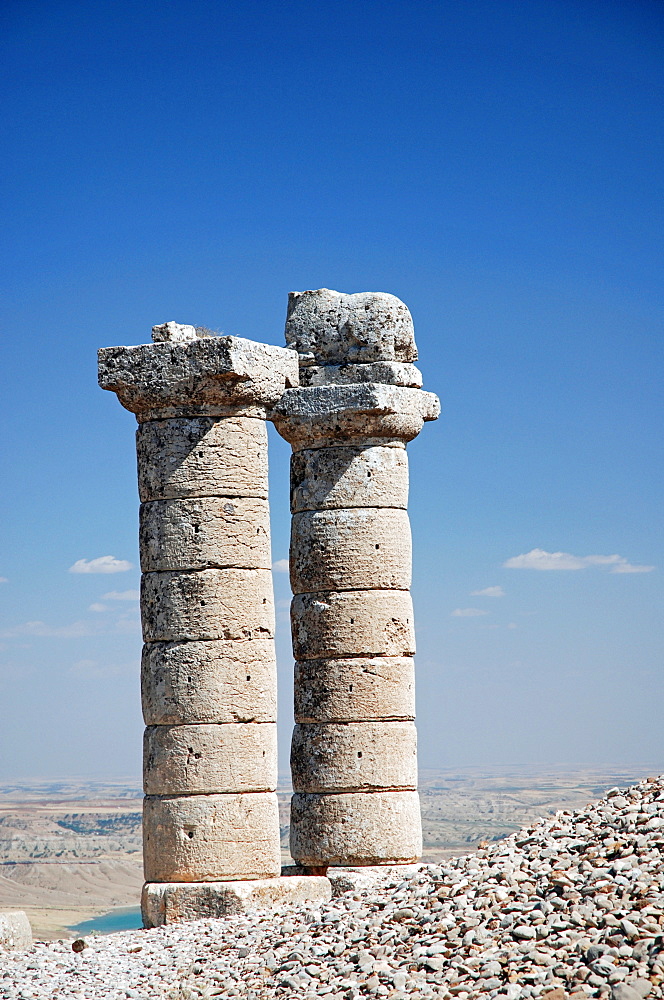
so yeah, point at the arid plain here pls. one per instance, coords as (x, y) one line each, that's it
(71, 850)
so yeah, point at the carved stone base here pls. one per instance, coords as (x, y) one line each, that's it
(172, 902)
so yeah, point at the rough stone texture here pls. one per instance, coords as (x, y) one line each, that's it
(172, 902)
(355, 689)
(354, 623)
(327, 478)
(232, 757)
(358, 548)
(334, 328)
(354, 756)
(355, 828)
(217, 681)
(205, 532)
(15, 930)
(174, 333)
(365, 414)
(211, 838)
(369, 878)
(388, 372)
(202, 457)
(179, 378)
(209, 604)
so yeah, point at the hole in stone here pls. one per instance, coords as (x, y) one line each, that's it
(352, 621)
(197, 528)
(188, 680)
(190, 834)
(263, 752)
(378, 546)
(248, 677)
(359, 753)
(265, 600)
(202, 604)
(258, 531)
(198, 756)
(200, 454)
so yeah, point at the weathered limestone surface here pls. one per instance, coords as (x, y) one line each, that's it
(211, 838)
(386, 372)
(208, 668)
(357, 548)
(357, 828)
(15, 930)
(355, 689)
(209, 604)
(366, 413)
(205, 533)
(202, 457)
(333, 328)
(352, 623)
(171, 902)
(212, 681)
(175, 377)
(355, 756)
(354, 748)
(349, 476)
(233, 757)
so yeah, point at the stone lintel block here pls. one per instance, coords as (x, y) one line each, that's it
(211, 838)
(332, 328)
(349, 476)
(355, 689)
(213, 681)
(365, 879)
(172, 902)
(209, 604)
(357, 548)
(15, 930)
(355, 828)
(352, 623)
(202, 456)
(205, 533)
(366, 413)
(205, 758)
(388, 372)
(354, 756)
(176, 378)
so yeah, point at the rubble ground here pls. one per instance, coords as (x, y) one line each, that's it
(569, 907)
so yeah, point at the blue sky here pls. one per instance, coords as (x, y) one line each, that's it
(496, 165)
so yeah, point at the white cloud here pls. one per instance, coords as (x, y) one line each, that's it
(97, 607)
(103, 564)
(542, 560)
(280, 566)
(121, 595)
(468, 612)
(488, 592)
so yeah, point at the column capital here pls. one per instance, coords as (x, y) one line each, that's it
(208, 376)
(362, 413)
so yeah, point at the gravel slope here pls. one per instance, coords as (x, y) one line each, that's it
(572, 906)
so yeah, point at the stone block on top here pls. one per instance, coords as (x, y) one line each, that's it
(332, 328)
(182, 373)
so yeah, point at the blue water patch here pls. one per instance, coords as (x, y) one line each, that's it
(125, 919)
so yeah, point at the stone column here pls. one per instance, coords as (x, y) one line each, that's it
(354, 754)
(208, 670)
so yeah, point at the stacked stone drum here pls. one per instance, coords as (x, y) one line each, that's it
(208, 670)
(354, 754)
